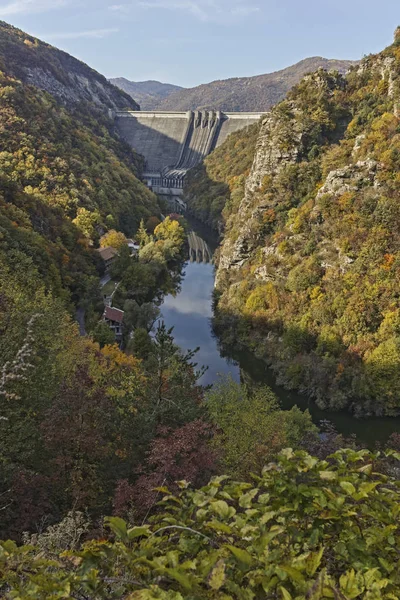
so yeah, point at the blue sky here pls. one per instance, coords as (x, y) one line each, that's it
(189, 42)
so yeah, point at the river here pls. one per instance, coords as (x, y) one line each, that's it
(190, 313)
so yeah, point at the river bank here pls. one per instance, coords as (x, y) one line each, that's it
(190, 313)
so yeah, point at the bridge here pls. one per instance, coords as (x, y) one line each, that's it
(174, 142)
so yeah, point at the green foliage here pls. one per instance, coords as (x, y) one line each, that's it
(304, 529)
(251, 427)
(77, 418)
(103, 335)
(315, 244)
(64, 175)
(219, 181)
(155, 273)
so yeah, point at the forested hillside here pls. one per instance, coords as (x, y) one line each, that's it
(221, 178)
(257, 93)
(64, 175)
(212, 492)
(309, 268)
(68, 405)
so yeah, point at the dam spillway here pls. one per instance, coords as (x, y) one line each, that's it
(174, 142)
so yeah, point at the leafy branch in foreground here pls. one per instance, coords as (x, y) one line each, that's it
(306, 529)
(16, 370)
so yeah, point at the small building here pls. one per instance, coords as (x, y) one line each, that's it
(114, 318)
(108, 255)
(133, 246)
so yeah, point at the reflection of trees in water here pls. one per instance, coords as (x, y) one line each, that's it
(199, 250)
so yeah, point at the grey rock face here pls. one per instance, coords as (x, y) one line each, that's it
(67, 79)
(350, 178)
(279, 144)
(76, 88)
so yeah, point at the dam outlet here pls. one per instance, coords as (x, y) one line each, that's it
(174, 142)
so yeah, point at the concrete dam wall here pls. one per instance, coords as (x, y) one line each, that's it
(174, 142)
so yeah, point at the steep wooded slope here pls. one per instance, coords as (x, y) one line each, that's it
(220, 179)
(148, 94)
(249, 93)
(64, 176)
(310, 265)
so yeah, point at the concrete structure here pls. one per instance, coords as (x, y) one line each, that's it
(199, 250)
(174, 142)
(133, 246)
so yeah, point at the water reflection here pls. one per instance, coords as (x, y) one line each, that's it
(190, 314)
(199, 250)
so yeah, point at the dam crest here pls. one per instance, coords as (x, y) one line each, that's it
(174, 142)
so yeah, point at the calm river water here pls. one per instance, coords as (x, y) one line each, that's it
(190, 314)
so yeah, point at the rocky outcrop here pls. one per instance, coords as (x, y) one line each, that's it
(309, 271)
(78, 87)
(350, 179)
(69, 80)
(287, 134)
(279, 144)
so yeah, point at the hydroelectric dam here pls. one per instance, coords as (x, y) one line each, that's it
(174, 142)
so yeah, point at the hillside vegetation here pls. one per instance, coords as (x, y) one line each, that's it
(220, 179)
(69, 430)
(309, 270)
(304, 529)
(64, 176)
(249, 93)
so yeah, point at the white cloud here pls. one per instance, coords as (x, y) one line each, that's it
(29, 6)
(73, 35)
(196, 9)
(203, 10)
(119, 8)
(244, 11)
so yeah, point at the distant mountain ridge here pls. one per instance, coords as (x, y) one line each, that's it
(258, 93)
(147, 93)
(66, 78)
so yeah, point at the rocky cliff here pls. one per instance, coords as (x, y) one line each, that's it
(67, 79)
(310, 264)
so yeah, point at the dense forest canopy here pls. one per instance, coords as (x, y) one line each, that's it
(213, 493)
(309, 269)
(69, 430)
(65, 176)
